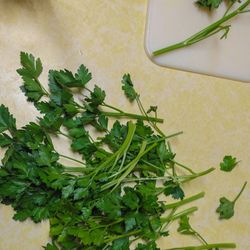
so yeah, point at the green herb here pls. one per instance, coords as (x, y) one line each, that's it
(186, 228)
(210, 4)
(212, 29)
(229, 163)
(214, 4)
(226, 208)
(111, 197)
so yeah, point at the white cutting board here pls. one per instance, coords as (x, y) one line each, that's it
(171, 21)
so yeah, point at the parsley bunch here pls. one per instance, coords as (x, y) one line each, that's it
(113, 200)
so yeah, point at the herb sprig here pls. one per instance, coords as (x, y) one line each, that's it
(212, 29)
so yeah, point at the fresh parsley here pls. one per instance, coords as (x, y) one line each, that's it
(219, 26)
(229, 163)
(114, 193)
(226, 207)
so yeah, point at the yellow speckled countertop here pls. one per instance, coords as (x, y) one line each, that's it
(107, 36)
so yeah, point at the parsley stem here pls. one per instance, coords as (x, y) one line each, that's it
(204, 33)
(129, 167)
(199, 237)
(151, 122)
(194, 176)
(147, 179)
(185, 201)
(76, 169)
(61, 133)
(239, 194)
(183, 166)
(132, 116)
(123, 236)
(72, 159)
(111, 107)
(120, 151)
(231, 4)
(166, 137)
(178, 215)
(39, 83)
(165, 226)
(203, 247)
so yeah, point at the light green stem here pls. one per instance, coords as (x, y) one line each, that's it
(178, 215)
(208, 246)
(185, 201)
(239, 194)
(72, 159)
(132, 116)
(204, 33)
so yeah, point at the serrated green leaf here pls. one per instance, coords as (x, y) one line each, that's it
(120, 244)
(59, 94)
(128, 88)
(130, 223)
(229, 163)
(130, 199)
(7, 121)
(83, 75)
(174, 190)
(5, 140)
(31, 67)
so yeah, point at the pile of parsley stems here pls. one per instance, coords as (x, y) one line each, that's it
(210, 30)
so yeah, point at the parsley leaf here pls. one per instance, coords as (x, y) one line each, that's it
(120, 244)
(211, 4)
(229, 163)
(59, 93)
(7, 122)
(67, 79)
(31, 70)
(173, 189)
(110, 204)
(184, 226)
(226, 207)
(31, 67)
(128, 88)
(97, 96)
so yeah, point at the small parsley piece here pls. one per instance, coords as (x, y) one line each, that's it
(229, 163)
(31, 70)
(97, 96)
(152, 109)
(211, 4)
(226, 208)
(174, 190)
(219, 26)
(184, 226)
(128, 88)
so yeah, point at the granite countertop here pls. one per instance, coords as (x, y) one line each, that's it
(107, 36)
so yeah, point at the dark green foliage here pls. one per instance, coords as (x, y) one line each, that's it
(113, 196)
(128, 87)
(214, 4)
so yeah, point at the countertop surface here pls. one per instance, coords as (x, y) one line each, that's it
(107, 36)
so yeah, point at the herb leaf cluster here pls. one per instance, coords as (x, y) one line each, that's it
(110, 198)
